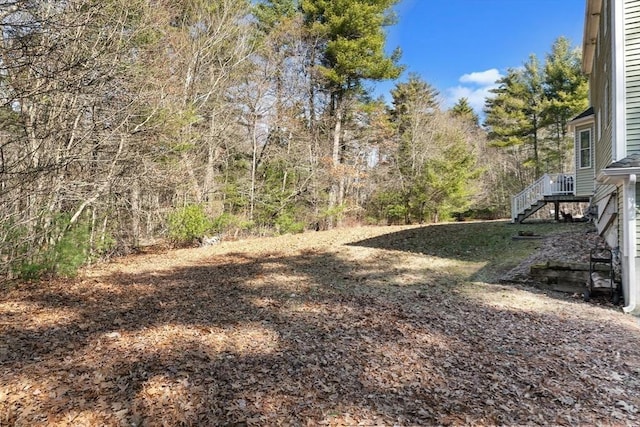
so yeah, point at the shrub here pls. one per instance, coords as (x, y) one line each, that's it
(68, 248)
(395, 214)
(223, 222)
(188, 224)
(286, 223)
(228, 222)
(72, 250)
(335, 213)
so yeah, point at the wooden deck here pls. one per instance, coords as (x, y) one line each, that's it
(556, 189)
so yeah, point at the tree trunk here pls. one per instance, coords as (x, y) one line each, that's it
(536, 158)
(135, 213)
(336, 193)
(212, 148)
(254, 166)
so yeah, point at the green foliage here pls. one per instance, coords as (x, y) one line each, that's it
(565, 88)
(234, 199)
(396, 213)
(104, 245)
(223, 222)
(279, 204)
(446, 184)
(188, 224)
(565, 85)
(415, 105)
(227, 222)
(286, 223)
(436, 167)
(72, 250)
(528, 113)
(335, 212)
(355, 40)
(31, 270)
(147, 36)
(271, 13)
(463, 110)
(67, 250)
(414, 95)
(390, 206)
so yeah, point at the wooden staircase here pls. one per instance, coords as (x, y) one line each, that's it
(550, 188)
(530, 211)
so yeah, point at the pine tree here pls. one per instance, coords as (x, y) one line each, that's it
(529, 111)
(514, 116)
(352, 40)
(435, 162)
(463, 110)
(271, 13)
(414, 104)
(565, 88)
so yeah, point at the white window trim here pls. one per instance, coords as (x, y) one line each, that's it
(599, 124)
(579, 146)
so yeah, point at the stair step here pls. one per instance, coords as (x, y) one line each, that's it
(530, 210)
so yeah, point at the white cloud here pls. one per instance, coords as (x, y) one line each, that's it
(475, 87)
(481, 78)
(475, 96)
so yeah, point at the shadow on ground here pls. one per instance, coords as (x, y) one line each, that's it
(491, 244)
(277, 339)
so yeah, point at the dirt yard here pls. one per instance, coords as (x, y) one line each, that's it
(365, 326)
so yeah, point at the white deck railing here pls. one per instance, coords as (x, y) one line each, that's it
(547, 185)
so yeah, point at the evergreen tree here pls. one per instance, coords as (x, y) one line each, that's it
(435, 163)
(352, 40)
(413, 97)
(565, 88)
(529, 111)
(514, 116)
(414, 103)
(505, 118)
(463, 110)
(533, 96)
(271, 13)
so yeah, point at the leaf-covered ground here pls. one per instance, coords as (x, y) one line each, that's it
(365, 326)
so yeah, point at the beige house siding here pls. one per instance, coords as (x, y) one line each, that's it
(632, 73)
(631, 10)
(602, 160)
(584, 176)
(614, 84)
(600, 89)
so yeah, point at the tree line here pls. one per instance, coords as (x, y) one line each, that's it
(125, 121)
(528, 113)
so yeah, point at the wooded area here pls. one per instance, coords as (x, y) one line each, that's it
(125, 121)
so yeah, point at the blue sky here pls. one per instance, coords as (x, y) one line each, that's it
(462, 46)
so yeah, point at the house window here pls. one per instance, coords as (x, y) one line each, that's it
(584, 144)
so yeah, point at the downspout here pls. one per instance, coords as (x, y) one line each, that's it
(630, 241)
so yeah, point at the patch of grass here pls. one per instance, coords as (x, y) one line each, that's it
(490, 243)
